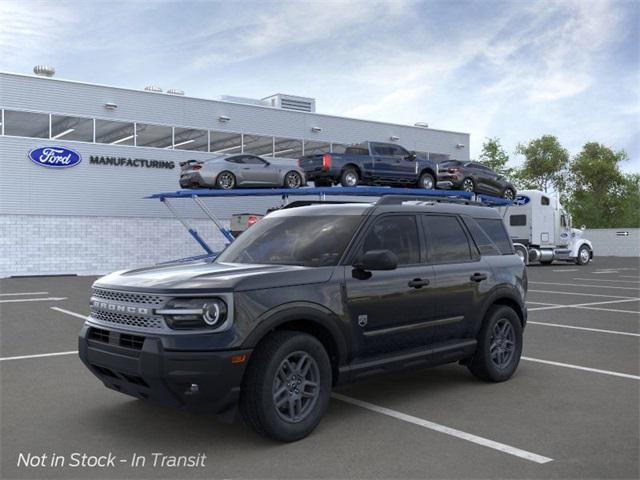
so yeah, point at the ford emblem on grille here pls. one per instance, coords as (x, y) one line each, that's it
(121, 308)
(55, 157)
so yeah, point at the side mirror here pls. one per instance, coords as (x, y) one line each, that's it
(411, 156)
(377, 260)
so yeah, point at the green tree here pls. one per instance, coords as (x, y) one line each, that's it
(600, 195)
(494, 156)
(544, 165)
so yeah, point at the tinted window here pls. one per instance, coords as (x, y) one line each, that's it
(157, 136)
(447, 240)
(382, 149)
(253, 160)
(482, 240)
(517, 220)
(396, 233)
(494, 228)
(114, 133)
(26, 124)
(237, 159)
(398, 151)
(314, 241)
(71, 128)
(544, 201)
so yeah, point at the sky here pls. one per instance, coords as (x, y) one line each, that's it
(514, 70)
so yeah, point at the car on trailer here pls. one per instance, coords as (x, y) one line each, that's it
(241, 170)
(474, 177)
(309, 298)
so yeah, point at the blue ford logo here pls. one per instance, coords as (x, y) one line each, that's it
(55, 157)
(521, 200)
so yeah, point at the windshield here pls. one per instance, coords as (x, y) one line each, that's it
(314, 241)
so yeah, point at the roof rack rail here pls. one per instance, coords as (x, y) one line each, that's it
(399, 199)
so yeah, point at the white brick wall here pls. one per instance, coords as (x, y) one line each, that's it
(43, 245)
(606, 242)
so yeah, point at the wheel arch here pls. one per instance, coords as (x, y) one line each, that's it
(430, 171)
(354, 166)
(312, 319)
(508, 299)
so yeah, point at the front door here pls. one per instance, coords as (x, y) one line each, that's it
(256, 171)
(391, 310)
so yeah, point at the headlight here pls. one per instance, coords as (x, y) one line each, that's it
(193, 313)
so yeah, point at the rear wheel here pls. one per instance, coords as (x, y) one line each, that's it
(349, 178)
(499, 345)
(226, 180)
(584, 255)
(509, 194)
(468, 185)
(285, 391)
(427, 181)
(293, 179)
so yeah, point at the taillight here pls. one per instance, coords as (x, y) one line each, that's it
(196, 167)
(326, 161)
(251, 220)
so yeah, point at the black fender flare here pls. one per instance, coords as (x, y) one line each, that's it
(313, 313)
(504, 295)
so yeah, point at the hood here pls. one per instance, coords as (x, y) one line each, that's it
(204, 276)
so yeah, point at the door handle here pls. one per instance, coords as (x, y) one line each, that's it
(246, 168)
(418, 283)
(478, 277)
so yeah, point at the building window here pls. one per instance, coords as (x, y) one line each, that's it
(287, 148)
(191, 139)
(157, 136)
(114, 133)
(71, 128)
(26, 124)
(258, 145)
(225, 143)
(313, 148)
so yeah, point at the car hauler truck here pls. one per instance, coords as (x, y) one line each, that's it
(541, 230)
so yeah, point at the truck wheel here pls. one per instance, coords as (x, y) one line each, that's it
(427, 181)
(523, 253)
(499, 345)
(584, 255)
(292, 179)
(226, 180)
(509, 194)
(286, 389)
(468, 185)
(349, 178)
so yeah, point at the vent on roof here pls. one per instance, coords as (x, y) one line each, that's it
(153, 88)
(291, 102)
(44, 71)
(175, 91)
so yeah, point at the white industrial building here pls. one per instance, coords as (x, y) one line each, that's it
(93, 218)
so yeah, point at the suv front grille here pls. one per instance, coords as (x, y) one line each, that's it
(129, 320)
(131, 341)
(136, 298)
(99, 335)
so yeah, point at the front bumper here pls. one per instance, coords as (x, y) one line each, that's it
(140, 366)
(449, 180)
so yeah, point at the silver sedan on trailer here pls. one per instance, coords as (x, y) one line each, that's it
(241, 170)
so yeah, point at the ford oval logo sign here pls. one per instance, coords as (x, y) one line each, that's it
(55, 157)
(521, 200)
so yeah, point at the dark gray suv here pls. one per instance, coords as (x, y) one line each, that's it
(309, 298)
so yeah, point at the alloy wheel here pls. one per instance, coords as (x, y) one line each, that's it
(296, 387)
(293, 180)
(226, 181)
(351, 179)
(427, 182)
(467, 185)
(508, 194)
(502, 344)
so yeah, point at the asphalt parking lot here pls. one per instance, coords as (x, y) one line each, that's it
(571, 410)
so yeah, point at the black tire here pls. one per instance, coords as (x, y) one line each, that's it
(225, 180)
(348, 176)
(509, 194)
(523, 253)
(293, 180)
(468, 185)
(257, 403)
(427, 181)
(584, 255)
(482, 365)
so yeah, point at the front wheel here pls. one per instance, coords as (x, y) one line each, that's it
(468, 185)
(584, 255)
(499, 345)
(509, 194)
(293, 179)
(286, 389)
(226, 180)
(427, 181)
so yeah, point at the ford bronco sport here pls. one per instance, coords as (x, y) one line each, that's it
(310, 298)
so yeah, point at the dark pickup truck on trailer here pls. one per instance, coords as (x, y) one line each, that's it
(308, 298)
(371, 163)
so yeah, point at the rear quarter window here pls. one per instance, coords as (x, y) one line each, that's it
(492, 239)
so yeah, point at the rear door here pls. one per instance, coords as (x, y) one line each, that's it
(391, 310)
(461, 275)
(383, 160)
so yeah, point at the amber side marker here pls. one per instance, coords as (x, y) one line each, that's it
(238, 358)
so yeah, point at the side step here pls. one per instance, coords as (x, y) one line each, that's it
(437, 354)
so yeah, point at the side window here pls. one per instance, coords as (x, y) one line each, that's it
(518, 220)
(397, 233)
(494, 228)
(481, 238)
(398, 151)
(563, 220)
(251, 160)
(237, 159)
(447, 239)
(544, 201)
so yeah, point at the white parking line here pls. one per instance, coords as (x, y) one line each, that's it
(48, 299)
(485, 442)
(588, 286)
(605, 280)
(547, 304)
(582, 294)
(23, 293)
(567, 270)
(605, 272)
(580, 367)
(73, 314)
(628, 276)
(572, 327)
(23, 357)
(610, 310)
